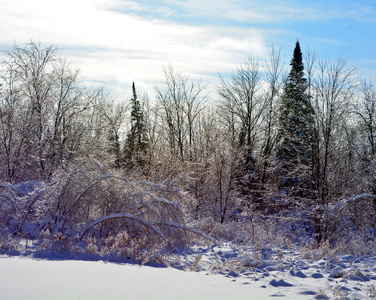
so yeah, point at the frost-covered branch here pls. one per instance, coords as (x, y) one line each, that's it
(81, 194)
(353, 199)
(28, 209)
(125, 216)
(184, 227)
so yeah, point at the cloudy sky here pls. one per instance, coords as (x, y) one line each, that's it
(115, 42)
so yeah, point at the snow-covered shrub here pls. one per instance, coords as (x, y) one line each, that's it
(24, 206)
(91, 245)
(348, 225)
(131, 218)
(260, 234)
(9, 243)
(92, 207)
(123, 246)
(60, 242)
(119, 243)
(44, 240)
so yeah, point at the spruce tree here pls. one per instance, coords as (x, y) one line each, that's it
(294, 151)
(137, 141)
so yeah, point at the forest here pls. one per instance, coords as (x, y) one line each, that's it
(284, 156)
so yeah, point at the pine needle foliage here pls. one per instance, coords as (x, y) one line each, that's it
(294, 153)
(137, 140)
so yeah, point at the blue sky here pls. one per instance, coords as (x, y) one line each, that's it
(115, 42)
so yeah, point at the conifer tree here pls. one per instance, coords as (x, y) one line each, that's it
(137, 141)
(296, 132)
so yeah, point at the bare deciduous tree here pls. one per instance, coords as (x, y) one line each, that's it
(333, 89)
(366, 111)
(242, 107)
(181, 101)
(273, 74)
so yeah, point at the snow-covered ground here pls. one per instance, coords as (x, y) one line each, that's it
(218, 272)
(23, 278)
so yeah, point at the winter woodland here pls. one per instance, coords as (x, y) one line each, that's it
(285, 158)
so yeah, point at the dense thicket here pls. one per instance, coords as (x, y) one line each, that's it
(77, 164)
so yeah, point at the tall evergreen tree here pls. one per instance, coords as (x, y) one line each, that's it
(137, 141)
(296, 132)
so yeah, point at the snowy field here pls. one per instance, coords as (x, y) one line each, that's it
(212, 273)
(23, 278)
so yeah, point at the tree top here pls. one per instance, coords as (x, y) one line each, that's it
(297, 59)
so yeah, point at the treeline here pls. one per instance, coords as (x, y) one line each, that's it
(296, 144)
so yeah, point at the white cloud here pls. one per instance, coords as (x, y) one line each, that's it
(117, 47)
(252, 12)
(116, 41)
(122, 5)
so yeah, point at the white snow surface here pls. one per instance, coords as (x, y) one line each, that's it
(23, 278)
(218, 272)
